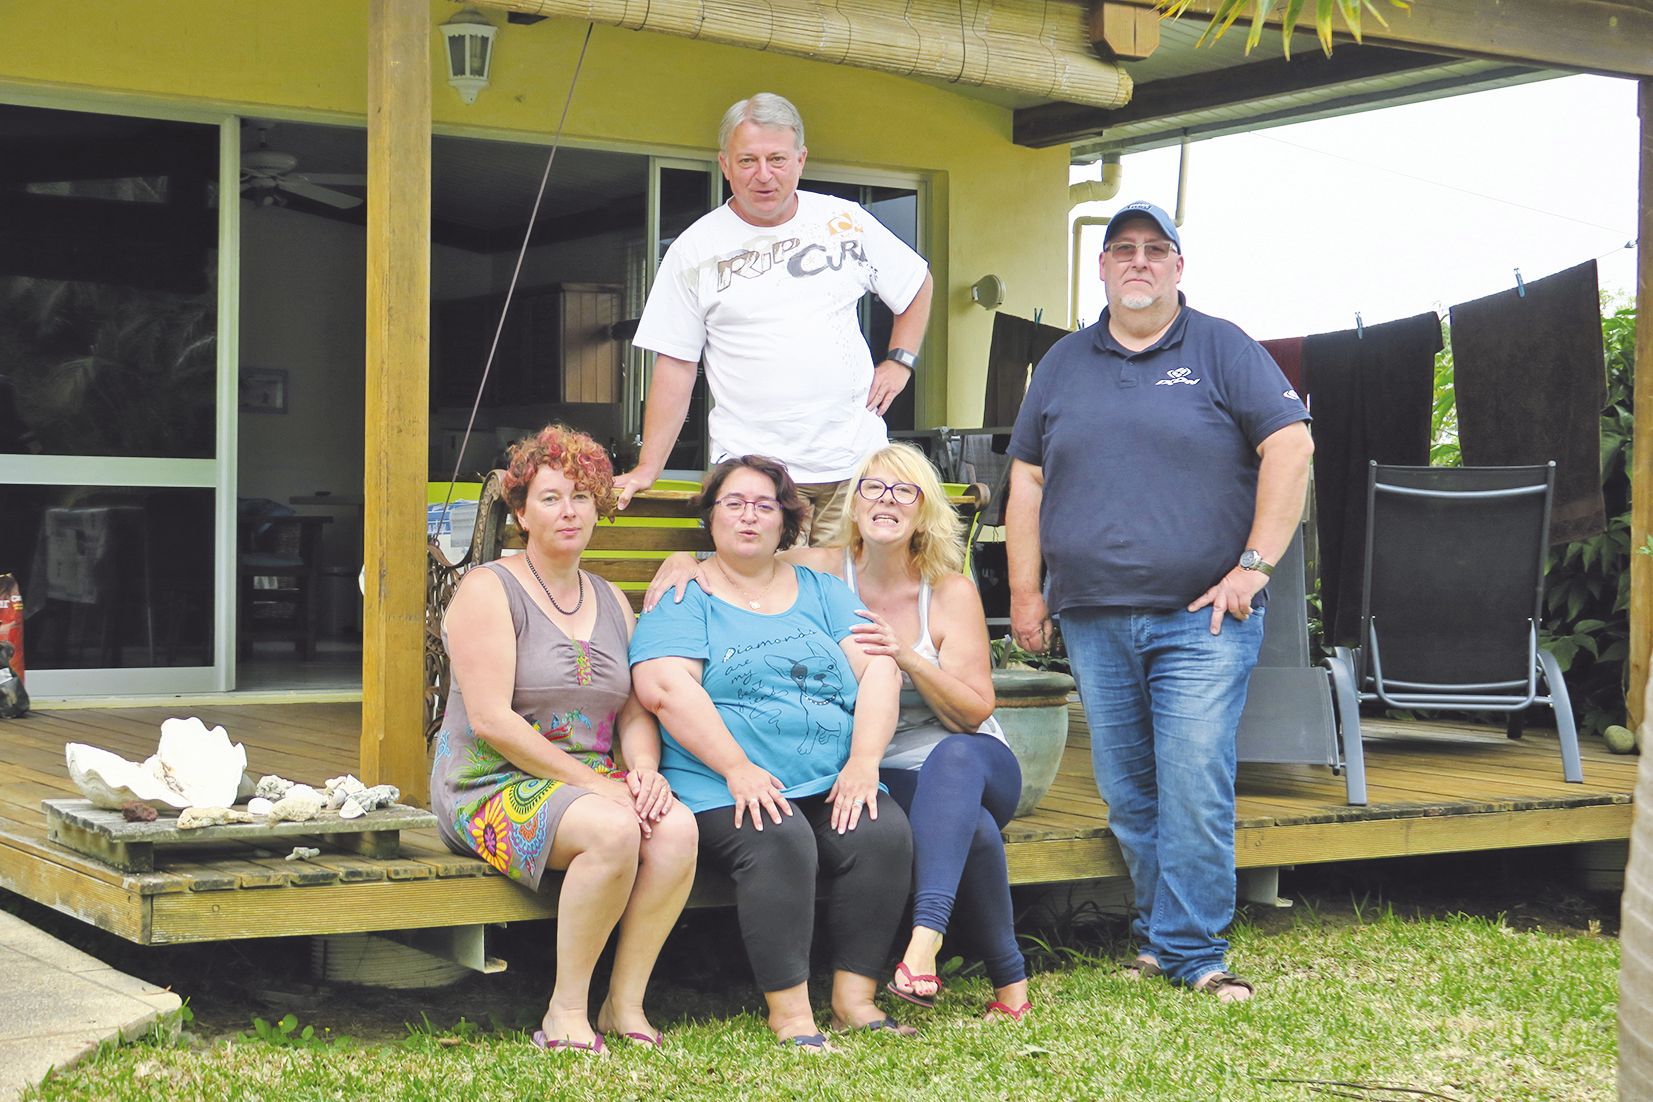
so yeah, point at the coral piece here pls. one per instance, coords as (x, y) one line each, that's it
(369, 799)
(301, 804)
(259, 806)
(272, 787)
(303, 853)
(192, 767)
(193, 818)
(136, 812)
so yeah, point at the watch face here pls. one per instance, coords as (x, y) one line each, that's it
(1249, 559)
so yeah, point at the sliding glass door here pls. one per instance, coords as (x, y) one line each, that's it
(116, 397)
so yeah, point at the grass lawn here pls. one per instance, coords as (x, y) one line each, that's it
(1358, 1004)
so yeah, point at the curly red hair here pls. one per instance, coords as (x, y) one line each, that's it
(577, 455)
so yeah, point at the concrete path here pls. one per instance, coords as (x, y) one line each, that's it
(60, 1004)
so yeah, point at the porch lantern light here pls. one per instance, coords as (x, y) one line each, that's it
(470, 52)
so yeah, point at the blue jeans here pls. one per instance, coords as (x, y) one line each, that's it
(1163, 697)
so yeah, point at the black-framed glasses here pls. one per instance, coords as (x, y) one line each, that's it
(903, 493)
(735, 505)
(1125, 251)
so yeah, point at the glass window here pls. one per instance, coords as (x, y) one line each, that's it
(108, 309)
(112, 577)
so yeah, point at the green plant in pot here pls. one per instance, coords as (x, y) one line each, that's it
(1033, 711)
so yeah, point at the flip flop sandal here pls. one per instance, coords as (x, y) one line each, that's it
(908, 993)
(548, 1044)
(996, 1010)
(875, 1026)
(656, 1040)
(1142, 968)
(815, 1044)
(1213, 984)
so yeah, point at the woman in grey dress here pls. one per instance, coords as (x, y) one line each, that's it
(540, 701)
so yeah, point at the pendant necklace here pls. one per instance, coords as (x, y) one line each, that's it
(751, 602)
(579, 576)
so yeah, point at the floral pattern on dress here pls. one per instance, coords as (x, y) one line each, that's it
(582, 661)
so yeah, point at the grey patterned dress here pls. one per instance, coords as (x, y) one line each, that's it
(571, 692)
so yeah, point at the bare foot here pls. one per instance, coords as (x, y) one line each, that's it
(567, 1024)
(628, 1022)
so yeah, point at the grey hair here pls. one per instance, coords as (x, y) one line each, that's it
(765, 109)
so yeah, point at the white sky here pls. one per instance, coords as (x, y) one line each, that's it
(1291, 230)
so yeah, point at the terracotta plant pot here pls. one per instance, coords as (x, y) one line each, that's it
(1033, 710)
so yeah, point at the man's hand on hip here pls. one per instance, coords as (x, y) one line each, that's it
(888, 379)
(1030, 622)
(1232, 595)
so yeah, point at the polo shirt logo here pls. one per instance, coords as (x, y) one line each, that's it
(1176, 375)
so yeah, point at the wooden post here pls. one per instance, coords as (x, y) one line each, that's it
(1641, 472)
(399, 71)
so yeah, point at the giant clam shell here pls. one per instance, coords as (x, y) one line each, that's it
(192, 767)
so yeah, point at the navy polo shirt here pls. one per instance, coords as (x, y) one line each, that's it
(1150, 459)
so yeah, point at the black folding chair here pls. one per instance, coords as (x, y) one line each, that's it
(1452, 599)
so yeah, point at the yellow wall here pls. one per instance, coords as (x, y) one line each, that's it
(995, 207)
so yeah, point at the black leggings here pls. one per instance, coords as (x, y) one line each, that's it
(869, 873)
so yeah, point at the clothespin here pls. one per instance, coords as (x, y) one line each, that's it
(1038, 315)
(1360, 326)
(1520, 284)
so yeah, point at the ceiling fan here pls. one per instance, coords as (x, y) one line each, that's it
(268, 173)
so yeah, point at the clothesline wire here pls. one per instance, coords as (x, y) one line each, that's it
(510, 291)
(1440, 184)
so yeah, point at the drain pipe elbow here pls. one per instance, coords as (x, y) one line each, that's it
(1093, 191)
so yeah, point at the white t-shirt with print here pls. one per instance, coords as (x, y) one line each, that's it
(773, 311)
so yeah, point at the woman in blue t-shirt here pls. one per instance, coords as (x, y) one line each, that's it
(772, 727)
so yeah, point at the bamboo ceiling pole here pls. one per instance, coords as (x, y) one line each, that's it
(1641, 471)
(398, 382)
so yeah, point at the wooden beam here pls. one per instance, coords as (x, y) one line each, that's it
(1123, 32)
(1641, 472)
(1064, 123)
(1592, 36)
(398, 384)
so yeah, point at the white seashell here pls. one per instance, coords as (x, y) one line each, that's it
(340, 788)
(259, 806)
(350, 809)
(272, 787)
(193, 818)
(193, 767)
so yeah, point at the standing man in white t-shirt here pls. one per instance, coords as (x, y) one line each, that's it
(765, 289)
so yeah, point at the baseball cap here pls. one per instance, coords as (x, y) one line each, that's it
(1164, 221)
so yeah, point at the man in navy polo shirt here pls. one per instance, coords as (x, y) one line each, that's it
(1160, 465)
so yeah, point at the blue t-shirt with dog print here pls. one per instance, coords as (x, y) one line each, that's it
(781, 683)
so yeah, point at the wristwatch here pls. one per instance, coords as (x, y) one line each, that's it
(906, 359)
(1252, 559)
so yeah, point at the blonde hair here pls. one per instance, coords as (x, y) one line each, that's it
(937, 546)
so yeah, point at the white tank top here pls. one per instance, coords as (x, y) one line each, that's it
(918, 729)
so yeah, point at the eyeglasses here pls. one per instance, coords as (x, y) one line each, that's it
(904, 493)
(735, 505)
(1125, 251)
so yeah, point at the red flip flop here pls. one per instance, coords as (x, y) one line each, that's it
(912, 996)
(551, 1044)
(1005, 1010)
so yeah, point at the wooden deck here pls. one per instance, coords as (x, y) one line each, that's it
(1433, 789)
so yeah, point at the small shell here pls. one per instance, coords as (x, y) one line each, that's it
(350, 809)
(338, 789)
(259, 806)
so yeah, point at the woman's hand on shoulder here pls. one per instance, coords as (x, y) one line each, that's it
(651, 794)
(674, 575)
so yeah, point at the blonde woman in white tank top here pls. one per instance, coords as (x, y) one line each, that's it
(948, 766)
